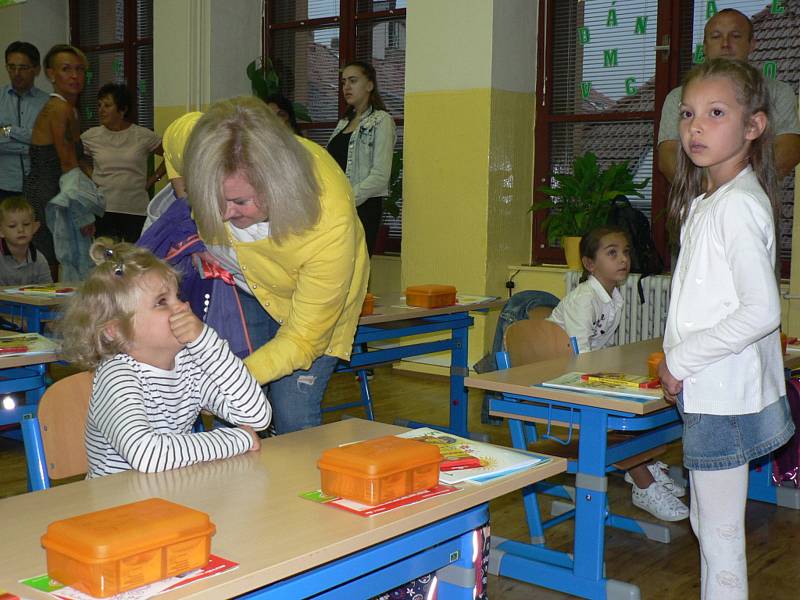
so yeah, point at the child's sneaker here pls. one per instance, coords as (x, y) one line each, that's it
(659, 502)
(660, 472)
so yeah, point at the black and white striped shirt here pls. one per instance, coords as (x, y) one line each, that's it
(141, 417)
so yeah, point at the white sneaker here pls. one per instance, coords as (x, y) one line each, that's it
(660, 472)
(659, 502)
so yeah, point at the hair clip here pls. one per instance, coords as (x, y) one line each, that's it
(119, 267)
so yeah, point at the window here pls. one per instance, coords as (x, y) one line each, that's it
(117, 37)
(604, 71)
(308, 41)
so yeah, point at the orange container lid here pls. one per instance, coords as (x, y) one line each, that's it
(121, 531)
(431, 288)
(379, 457)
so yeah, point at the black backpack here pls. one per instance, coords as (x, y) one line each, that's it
(644, 256)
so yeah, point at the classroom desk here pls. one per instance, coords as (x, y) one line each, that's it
(583, 573)
(22, 373)
(32, 308)
(287, 547)
(392, 319)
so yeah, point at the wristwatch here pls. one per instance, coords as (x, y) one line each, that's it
(5, 130)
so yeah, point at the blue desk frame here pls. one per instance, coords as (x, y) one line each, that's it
(581, 574)
(444, 546)
(32, 314)
(458, 323)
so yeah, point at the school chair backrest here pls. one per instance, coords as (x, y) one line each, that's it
(62, 422)
(528, 341)
(540, 312)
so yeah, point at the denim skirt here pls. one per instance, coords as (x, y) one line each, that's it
(719, 442)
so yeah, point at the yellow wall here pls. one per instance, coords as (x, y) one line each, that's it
(468, 150)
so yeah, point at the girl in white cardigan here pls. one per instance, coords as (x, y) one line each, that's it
(723, 360)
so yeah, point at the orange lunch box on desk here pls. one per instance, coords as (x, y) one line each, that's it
(430, 295)
(379, 470)
(369, 305)
(124, 547)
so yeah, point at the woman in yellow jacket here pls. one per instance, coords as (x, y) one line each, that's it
(277, 212)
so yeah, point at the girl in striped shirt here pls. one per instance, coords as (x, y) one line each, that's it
(157, 366)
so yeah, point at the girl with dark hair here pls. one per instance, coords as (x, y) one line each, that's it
(120, 150)
(591, 314)
(363, 144)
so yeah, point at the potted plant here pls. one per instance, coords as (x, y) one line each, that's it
(264, 83)
(581, 200)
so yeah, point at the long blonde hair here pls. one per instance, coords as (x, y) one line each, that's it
(108, 296)
(753, 96)
(243, 135)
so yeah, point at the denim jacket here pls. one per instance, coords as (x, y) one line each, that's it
(515, 309)
(369, 154)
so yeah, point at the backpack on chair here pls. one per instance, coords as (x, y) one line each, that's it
(645, 259)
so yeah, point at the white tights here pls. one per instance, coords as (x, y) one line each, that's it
(717, 515)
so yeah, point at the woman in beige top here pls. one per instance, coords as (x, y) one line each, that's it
(120, 151)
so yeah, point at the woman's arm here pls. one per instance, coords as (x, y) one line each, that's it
(323, 284)
(376, 182)
(65, 134)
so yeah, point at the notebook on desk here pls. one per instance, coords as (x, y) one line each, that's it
(575, 382)
(12, 344)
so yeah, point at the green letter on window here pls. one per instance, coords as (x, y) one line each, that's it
(610, 58)
(586, 87)
(611, 21)
(770, 69)
(777, 7)
(583, 35)
(641, 25)
(711, 9)
(699, 55)
(631, 89)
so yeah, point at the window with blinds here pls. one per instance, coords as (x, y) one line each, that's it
(597, 93)
(777, 54)
(604, 71)
(307, 43)
(117, 37)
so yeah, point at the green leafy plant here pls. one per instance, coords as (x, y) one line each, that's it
(264, 82)
(581, 200)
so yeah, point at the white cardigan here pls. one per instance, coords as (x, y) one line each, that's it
(721, 335)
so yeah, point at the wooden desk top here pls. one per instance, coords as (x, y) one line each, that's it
(629, 358)
(392, 307)
(253, 499)
(36, 299)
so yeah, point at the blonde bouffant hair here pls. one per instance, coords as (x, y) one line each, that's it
(106, 302)
(244, 135)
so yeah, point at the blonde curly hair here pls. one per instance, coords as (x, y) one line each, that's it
(108, 297)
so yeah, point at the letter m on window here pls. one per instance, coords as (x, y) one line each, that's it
(610, 58)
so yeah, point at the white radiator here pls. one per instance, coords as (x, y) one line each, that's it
(639, 321)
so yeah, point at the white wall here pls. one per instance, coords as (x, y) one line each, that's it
(235, 41)
(43, 23)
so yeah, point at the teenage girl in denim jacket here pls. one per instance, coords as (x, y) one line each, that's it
(363, 144)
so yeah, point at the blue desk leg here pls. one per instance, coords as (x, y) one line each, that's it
(459, 399)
